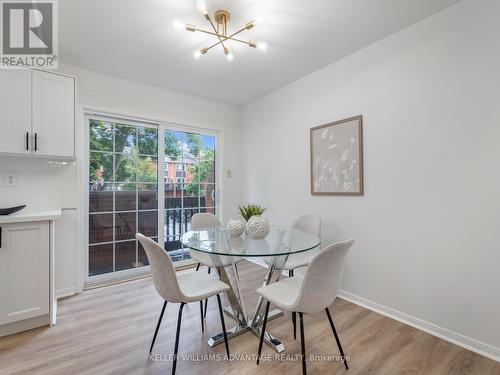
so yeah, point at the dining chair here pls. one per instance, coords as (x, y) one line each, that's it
(198, 222)
(183, 289)
(310, 224)
(313, 292)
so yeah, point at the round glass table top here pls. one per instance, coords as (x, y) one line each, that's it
(280, 241)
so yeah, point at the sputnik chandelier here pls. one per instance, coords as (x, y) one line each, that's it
(220, 31)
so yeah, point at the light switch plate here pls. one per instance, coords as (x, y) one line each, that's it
(229, 173)
(10, 180)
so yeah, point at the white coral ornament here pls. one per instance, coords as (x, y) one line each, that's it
(235, 227)
(257, 227)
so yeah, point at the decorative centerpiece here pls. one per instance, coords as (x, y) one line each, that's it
(235, 227)
(257, 227)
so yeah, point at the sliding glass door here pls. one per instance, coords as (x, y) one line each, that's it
(123, 194)
(190, 187)
(128, 193)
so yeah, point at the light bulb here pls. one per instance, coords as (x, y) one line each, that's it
(179, 25)
(262, 46)
(197, 55)
(229, 56)
(202, 7)
(260, 19)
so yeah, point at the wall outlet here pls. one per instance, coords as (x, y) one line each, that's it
(10, 180)
(229, 173)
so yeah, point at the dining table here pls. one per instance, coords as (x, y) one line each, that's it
(226, 251)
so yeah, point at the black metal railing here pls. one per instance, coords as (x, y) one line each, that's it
(178, 220)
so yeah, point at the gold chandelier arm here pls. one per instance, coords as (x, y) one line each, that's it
(216, 33)
(223, 37)
(250, 44)
(237, 32)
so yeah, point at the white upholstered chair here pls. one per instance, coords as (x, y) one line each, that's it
(307, 223)
(313, 292)
(198, 222)
(184, 288)
(310, 224)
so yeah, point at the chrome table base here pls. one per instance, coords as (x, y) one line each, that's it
(270, 340)
(236, 308)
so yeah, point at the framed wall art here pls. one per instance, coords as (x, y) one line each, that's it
(337, 158)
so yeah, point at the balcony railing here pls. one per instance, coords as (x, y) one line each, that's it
(178, 220)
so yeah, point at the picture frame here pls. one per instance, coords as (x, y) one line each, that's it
(336, 158)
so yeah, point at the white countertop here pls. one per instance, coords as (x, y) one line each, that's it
(26, 216)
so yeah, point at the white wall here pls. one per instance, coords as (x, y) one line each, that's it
(426, 230)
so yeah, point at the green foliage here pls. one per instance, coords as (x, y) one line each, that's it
(147, 169)
(128, 166)
(147, 141)
(195, 144)
(101, 136)
(172, 149)
(251, 210)
(200, 172)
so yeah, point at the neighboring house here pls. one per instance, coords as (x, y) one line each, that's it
(177, 173)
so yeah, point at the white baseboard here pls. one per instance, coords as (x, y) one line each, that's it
(24, 325)
(475, 346)
(481, 348)
(61, 293)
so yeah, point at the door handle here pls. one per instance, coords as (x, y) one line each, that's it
(27, 141)
(36, 141)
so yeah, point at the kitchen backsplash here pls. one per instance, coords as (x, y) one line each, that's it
(40, 184)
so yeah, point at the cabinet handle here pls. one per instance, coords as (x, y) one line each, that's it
(27, 141)
(0, 237)
(36, 142)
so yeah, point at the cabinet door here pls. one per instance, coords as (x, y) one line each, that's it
(24, 271)
(15, 110)
(53, 115)
(65, 253)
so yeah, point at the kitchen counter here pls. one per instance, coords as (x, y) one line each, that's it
(26, 216)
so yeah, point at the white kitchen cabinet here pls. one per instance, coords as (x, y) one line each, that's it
(15, 111)
(65, 254)
(27, 279)
(37, 113)
(24, 271)
(53, 114)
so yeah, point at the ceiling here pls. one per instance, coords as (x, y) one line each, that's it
(134, 39)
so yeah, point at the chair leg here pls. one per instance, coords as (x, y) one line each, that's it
(178, 333)
(201, 315)
(205, 312)
(198, 266)
(303, 344)
(336, 336)
(263, 332)
(158, 327)
(223, 325)
(294, 322)
(290, 273)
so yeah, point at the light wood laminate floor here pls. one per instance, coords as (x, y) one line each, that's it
(109, 330)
